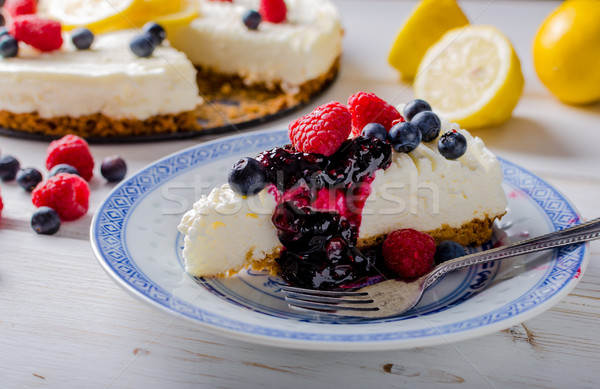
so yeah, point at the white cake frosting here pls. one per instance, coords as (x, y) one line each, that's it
(421, 190)
(302, 48)
(109, 79)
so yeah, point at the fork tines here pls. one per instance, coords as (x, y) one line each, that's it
(321, 301)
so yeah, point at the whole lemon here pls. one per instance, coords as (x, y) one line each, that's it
(566, 52)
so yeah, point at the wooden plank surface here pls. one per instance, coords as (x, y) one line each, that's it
(64, 323)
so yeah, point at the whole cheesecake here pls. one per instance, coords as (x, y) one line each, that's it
(108, 91)
(456, 199)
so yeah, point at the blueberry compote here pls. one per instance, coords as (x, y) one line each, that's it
(320, 200)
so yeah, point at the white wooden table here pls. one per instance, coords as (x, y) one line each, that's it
(65, 324)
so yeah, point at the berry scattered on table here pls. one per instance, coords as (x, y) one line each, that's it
(43, 34)
(408, 252)
(28, 178)
(251, 19)
(45, 221)
(429, 123)
(9, 166)
(375, 130)
(62, 168)
(155, 31)
(447, 250)
(368, 108)
(323, 130)
(113, 168)
(9, 47)
(82, 38)
(20, 7)
(452, 144)
(415, 106)
(405, 137)
(142, 46)
(247, 177)
(273, 11)
(72, 150)
(67, 194)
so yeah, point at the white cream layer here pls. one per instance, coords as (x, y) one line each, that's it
(420, 190)
(298, 50)
(108, 79)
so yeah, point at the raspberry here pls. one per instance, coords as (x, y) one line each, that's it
(68, 194)
(74, 151)
(368, 108)
(1, 205)
(323, 130)
(409, 253)
(20, 7)
(43, 34)
(273, 11)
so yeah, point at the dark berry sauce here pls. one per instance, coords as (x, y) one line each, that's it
(320, 201)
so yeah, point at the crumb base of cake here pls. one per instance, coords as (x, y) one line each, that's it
(475, 232)
(228, 101)
(97, 125)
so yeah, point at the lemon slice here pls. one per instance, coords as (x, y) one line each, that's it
(429, 20)
(108, 15)
(471, 76)
(95, 14)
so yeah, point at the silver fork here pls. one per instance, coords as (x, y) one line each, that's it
(396, 296)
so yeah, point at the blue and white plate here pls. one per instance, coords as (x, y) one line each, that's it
(134, 235)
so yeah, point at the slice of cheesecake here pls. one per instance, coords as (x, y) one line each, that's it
(449, 199)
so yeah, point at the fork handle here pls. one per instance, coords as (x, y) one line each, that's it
(576, 234)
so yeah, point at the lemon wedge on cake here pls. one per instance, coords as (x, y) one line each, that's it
(566, 52)
(109, 15)
(429, 20)
(472, 75)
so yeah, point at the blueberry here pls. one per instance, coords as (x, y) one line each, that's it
(405, 137)
(247, 177)
(142, 46)
(452, 144)
(9, 166)
(429, 124)
(62, 168)
(448, 250)
(82, 38)
(374, 130)
(155, 31)
(415, 106)
(113, 168)
(45, 221)
(28, 178)
(251, 19)
(9, 47)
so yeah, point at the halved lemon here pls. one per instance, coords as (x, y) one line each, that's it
(471, 76)
(426, 24)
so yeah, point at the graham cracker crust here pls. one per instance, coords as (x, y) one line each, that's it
(228, 101)
(96, 125)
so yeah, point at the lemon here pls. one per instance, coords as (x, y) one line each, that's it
(429, 20)
(566, 52)
(471, 76)
(108, 15)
